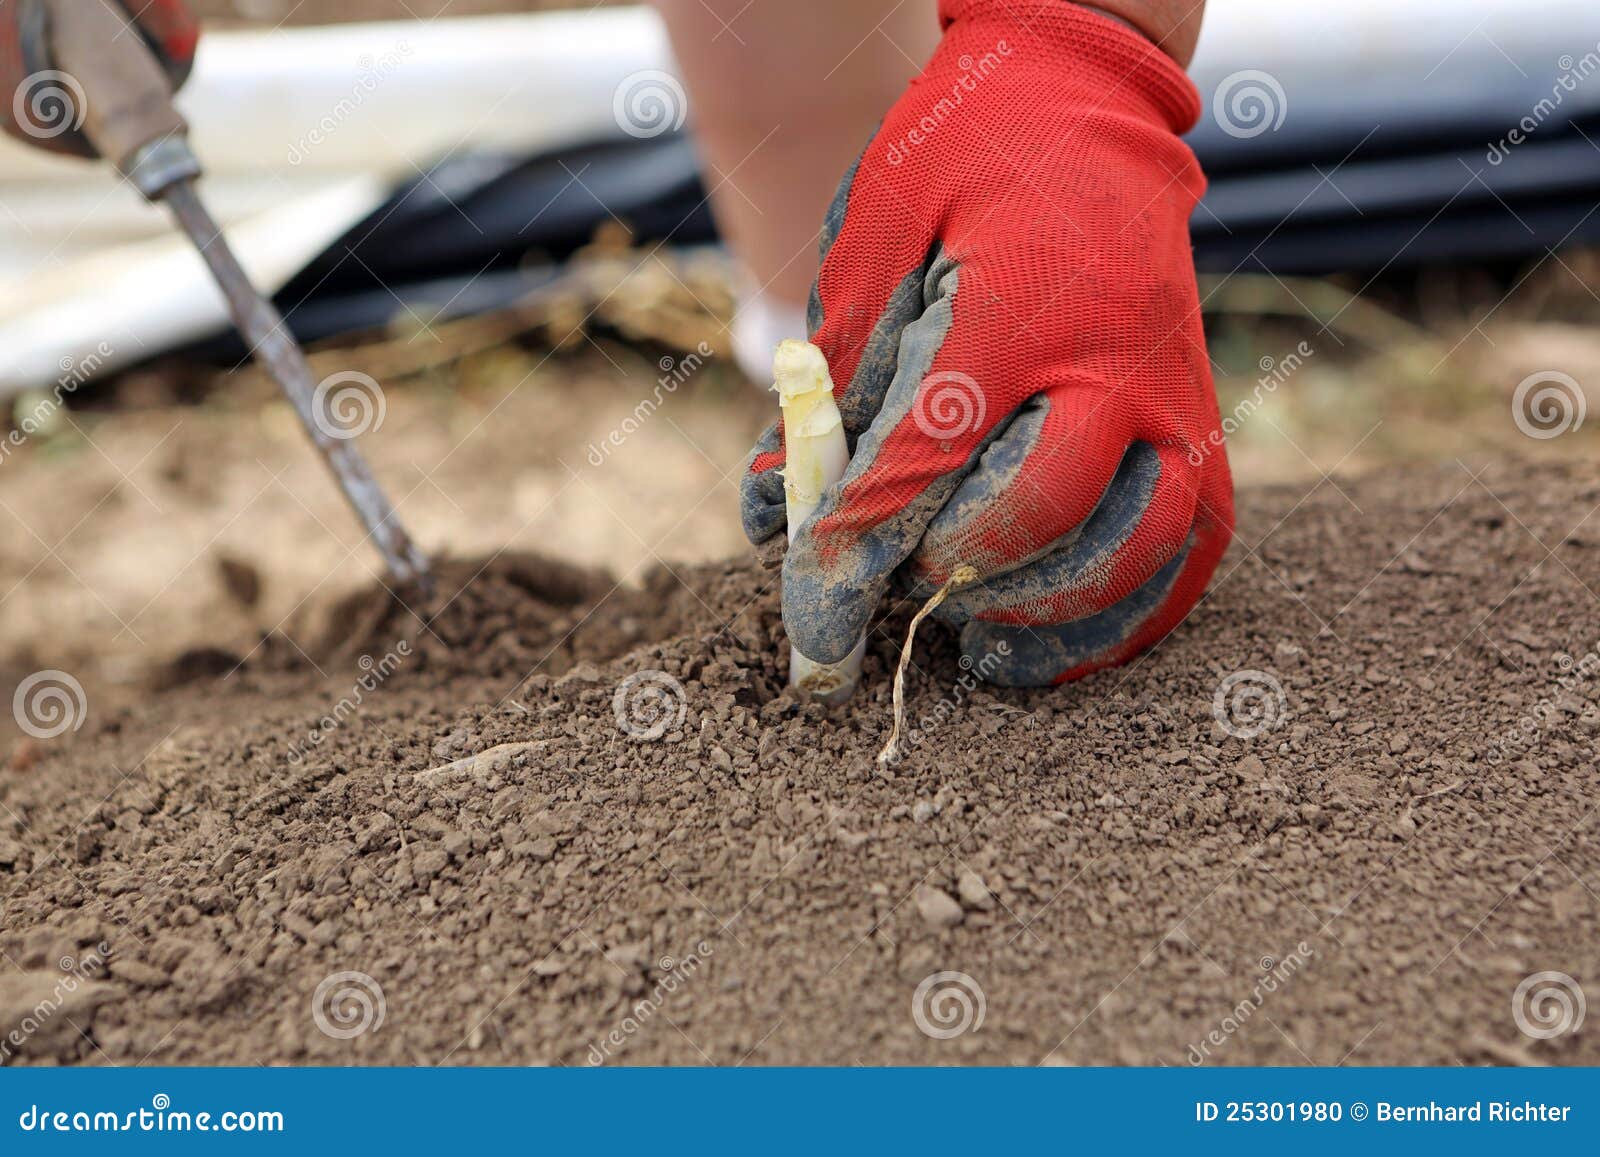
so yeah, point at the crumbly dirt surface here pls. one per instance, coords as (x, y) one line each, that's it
(680, 863)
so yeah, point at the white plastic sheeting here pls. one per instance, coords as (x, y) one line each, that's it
(1338, 70)
(302, 132)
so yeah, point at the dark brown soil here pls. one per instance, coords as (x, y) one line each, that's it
(1369, 880)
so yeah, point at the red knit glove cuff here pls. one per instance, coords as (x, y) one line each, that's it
(1121, 58)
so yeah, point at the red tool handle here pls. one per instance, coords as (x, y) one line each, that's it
(45, 99)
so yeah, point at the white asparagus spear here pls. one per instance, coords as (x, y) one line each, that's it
(815, 456)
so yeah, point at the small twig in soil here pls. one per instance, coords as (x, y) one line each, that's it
(483, 763)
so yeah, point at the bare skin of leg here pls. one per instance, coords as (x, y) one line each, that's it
(783, 96)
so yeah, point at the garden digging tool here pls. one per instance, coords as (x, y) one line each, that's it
(130, 120)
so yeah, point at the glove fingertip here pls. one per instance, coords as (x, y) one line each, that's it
(1005, 657)
(826, 608)
(762, 510)
(1037, 656)
(762, 520)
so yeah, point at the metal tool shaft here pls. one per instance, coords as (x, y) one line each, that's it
(268, 337)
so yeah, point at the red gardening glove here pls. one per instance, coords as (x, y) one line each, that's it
(38, 103)
(1007, 302)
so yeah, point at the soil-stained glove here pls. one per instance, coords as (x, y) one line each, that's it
(38, 102)
(1007, 302)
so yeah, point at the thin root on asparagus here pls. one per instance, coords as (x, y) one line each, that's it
(959, 577)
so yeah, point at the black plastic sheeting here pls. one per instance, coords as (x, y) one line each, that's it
(480, 233)
(1363, 178)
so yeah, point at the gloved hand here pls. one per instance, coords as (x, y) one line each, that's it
(32, 87)
(1007, 302)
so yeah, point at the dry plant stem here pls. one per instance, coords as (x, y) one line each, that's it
(1327, 304)
(483, 763)
(641, 312)
(959, 577)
